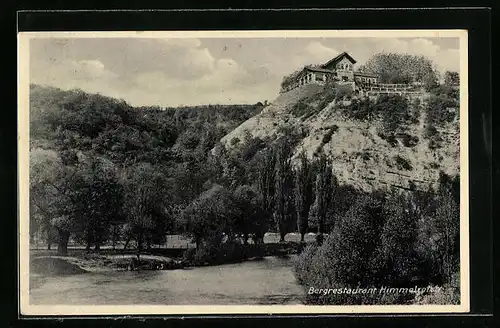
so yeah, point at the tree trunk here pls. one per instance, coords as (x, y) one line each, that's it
(139, 246)
(302, 237)
(282, 236)
(113, 237)
(126, 243)
(62, 245)
(88, 240)
(97, 247)
(49, 236)
(198, 242)
(319, 239)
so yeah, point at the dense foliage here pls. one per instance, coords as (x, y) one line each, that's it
(101, 169)
(104, 172)
(387, 239)
(402, 68)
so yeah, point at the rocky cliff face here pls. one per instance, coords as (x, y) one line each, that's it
(361, 157)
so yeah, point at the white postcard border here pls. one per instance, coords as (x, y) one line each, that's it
(23, 182)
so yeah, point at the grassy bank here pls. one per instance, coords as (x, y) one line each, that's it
(83, 263)
(79, 260)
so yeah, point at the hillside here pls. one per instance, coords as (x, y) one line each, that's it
(361, 157)
(78, 121)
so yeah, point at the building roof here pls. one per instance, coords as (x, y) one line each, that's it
(317, 69)
(365, 74)
(339, 58)
(311, 69)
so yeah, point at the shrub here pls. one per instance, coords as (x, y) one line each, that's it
(235, 141)
(214, 253)
(328, 135)
(361, 109)
(430, 131)
(343, 91)
(302, 264)
(434, 144)
(395, 112)
(365, 155)
(409, 140)
(437, 109)
(301, 108)
(344, 258)
(434, 165)
(327, 96)
(391, 139)
(402, 163)
(397, 240)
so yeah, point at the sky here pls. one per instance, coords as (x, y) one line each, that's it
(174, 72)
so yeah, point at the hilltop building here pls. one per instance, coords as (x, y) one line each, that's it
(341, 70)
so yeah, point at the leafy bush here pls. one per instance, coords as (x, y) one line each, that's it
(362, 109)
(328, 135)
(434, 165)
(327, 96)
(235, 141)
(343, 91)
(402, 68)
(301, 108)
(395, 112)
(408, 140)
(213, 254)
(441, 108)
(434, 144)
(303, 264)
(391, 139)
(402, 163)
(365, 155)
(383, 241)
(430, 131)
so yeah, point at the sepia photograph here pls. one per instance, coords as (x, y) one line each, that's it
(243, 172)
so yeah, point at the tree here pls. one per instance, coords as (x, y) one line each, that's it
(43, 166)
(101, 201)
(324, 190)
(144, 201)
(209, 216)
(266, 182)
(250, 218)
(451, 78)
(283, 191)
(447, 227)
(56, 191)
(396, 260)
(303, 194)
(395, 112)
(402, 68)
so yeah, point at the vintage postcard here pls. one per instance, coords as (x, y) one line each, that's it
(255, 172)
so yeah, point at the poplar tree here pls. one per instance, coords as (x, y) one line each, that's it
(283, 192)
(324, 187)
(303, 194)
(266, 176)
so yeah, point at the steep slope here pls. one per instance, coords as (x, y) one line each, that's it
(360, 156)
(272, 117)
